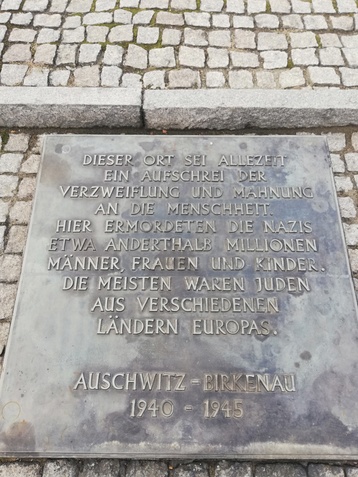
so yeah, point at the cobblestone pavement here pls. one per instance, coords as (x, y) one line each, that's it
(19, 162)
(179, 43)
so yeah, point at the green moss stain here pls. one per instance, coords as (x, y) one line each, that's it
(290, 64)
(268, 7)
(319, 41)
(4, 137)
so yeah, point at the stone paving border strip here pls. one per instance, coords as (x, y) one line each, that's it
(70, 107)
(229, 109)
(220, 109)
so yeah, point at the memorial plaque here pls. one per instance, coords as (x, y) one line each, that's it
(183, 296)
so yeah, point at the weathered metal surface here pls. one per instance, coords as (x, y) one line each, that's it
(193, 300)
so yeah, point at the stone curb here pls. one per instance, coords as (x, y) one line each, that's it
(70, 107)
(64, 107)
(228, 109)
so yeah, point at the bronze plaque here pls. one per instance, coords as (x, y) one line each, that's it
(183, 296)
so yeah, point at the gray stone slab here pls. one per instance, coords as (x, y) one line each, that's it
(183, 296)
(227, 109)
(69, 107)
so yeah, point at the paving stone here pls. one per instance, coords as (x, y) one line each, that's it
(191, 470)
(58, 6)
(79, 6)
(46, 20)
(280, 470)
(235, 6)
(244, 59)
(190, 56)
(77, 35)
(337, 163)
(7, 299)
(31, 164)
(265, 20)
(330, 40)
(113, 55)
(48, 35)
(12, 75)
(89, 53)
(220, 20)
(59, 77)
(2, 239)
(147, 35)
(66, 54)
(154, 80)
(304, 56)
(97, 18)
(10, 162)
(162, 57)
(351, 55)
(22, 35)
(352, 161)
(245, 40)
(171, 37)
(280, 6)
(323, 6)
(211, 5)
(331, 56)
(218, 58)
(271, 41)
(103, 5)
(215, 79)
(129, 3)
(303, 40)
(4, 210)
(20, 212)
(60, 468)
(131, 80)
(274, 59)
(26, 188)
(256, 6)
(315, 22)
(342, 23)
(160, 4)
(353, 258)
(17, 239)
(37, 144)
(167, 18)
(349, 41)
(121, 33)
(353, 471)
(355, 141)
(233, 469)
(35, 5)
(343, 184)
(21, 18)
(86, 76)
(347, 6)
(320, 75)
(143, 18)
(184, 78)
(220, 38)
(240, 79)
(183, 4)
(5, 16)
(11, 4)
(123, 16)
(100, 468)
(36, 76)
(351, 237)
(10, 268)
(293, 22)
(323, 470)
(336, 141)
(243, 22)
(137, 57)
(265, 80)
(96, 34)
(17, 143)
(17, 52)
(195, 37)
(45, 54)
(197, 19)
